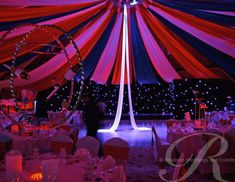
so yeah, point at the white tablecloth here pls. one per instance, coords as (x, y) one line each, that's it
(90, 170)
(189, 145)
(26, 144)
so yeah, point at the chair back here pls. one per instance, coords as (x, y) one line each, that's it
(159, 149)
(89, 143)
(178, 168)
(118, 149)
(230, 137)
(156, 138)
(215, 147)
(61, 142)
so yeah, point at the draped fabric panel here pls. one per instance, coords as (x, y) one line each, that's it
(183, 57)
(91, 60)
(34, 12)
(59, 62)
(23, 3)
(159, 60)
(227, 13)
(217, 58)
(74, 20)
(201, 10)
(144, 73)
(166, 39)
(107, 59)
(219, 37)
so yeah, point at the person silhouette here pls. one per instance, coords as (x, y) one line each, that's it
(92, 116)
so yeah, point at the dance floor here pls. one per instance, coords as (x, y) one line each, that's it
(141, 166)
(141, 137)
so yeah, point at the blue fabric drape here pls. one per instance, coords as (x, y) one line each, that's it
(195, 9)
(142, 63)
(217, 57)
(29, 56)
(216, 5)
(93, 57)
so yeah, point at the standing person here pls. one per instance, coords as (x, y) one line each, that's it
(92, 116)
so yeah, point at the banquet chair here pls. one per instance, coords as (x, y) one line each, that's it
(89, 143)
(60, 142)
(215, 147)
(230, 137)
(118, 149)
(159, 149)
(207, 167)
(178, 170)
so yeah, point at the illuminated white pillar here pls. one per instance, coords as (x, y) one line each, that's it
(132, 118)
(124, 64)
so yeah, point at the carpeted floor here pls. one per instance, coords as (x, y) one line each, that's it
(141, 167)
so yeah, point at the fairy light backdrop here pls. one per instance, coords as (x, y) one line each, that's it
(167, 98)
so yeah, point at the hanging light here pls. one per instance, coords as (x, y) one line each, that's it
(134, 2)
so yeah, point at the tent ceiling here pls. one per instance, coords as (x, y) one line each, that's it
(168, 39)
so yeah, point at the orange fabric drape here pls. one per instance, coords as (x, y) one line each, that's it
(204, 25)
(8, 47)
(17, 13)
(183, 57)
(46, 81)
(220, 37)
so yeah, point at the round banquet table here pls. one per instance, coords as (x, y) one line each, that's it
(26, 144)
(189, 145)
(72, 170)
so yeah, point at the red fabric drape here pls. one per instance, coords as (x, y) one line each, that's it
(85, 44)
(107, 59)
(118, 62)
(217, 36)
(158, 59)
(8, 49)
(27, 3)
(16, 13)
(184, 58)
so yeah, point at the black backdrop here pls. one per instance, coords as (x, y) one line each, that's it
(173, 98)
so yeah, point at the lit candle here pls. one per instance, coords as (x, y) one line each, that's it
(36, 176)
